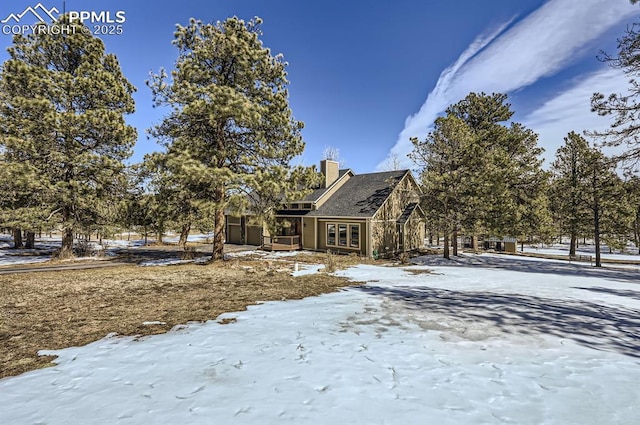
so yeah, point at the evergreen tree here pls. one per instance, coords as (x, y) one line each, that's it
(506, 182)
(624, 108)
(481, 176)
(62, 107)
(632, 189)
(568, 187)
(588, 194)
(604, 197)
(230, 118)
(445, 176)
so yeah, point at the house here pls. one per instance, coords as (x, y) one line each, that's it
(368, 214)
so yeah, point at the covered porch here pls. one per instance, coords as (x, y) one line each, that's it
(281, 243)
(289, 236)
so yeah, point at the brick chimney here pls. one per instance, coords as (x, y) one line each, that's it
(330, 170)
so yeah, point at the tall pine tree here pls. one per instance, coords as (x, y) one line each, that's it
(507, 190)
(588, 195)
(481, 175)
(443, 157)
(62, 107)
(231, 118)
(568, 188)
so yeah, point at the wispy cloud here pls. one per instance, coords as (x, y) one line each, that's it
(570, 110)
(540, 45)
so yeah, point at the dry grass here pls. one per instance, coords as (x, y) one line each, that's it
(53, 310)
(339, 261)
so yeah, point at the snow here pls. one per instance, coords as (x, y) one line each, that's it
(15, 260)
(269, 255)
(487, 339)
(202, 238)
(307, 269)
(164, 262)
(558, 249)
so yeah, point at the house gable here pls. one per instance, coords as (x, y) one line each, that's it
(361, 196)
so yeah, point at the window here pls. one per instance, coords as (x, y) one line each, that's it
(345, 235)
(306, 206)
(354, 235)
(295, 206)
(342, 235)
(331, 234)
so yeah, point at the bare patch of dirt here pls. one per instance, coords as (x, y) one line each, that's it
(54, 310)
(419, 271)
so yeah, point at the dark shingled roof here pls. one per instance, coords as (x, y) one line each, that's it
(317, 193)
(361, 196)
(313, 196)
(407, 212)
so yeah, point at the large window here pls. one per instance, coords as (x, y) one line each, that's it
(345, 235)
(331, 234)
(342, 235)
(354, 236)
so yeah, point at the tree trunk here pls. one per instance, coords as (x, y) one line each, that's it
(31, 240)
(446, 246)
(218, 235)
(66, 251)
(184, 234)
(596, 231)
(17, 238)
(455, 243)
(574, 242)
(636, 234)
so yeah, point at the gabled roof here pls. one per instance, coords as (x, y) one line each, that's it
(406, 214)
(317, 193)
(360, 196)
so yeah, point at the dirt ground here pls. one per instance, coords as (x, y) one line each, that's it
(53, 310)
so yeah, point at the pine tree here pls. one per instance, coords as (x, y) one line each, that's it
(589, 195)
(62, 107)
(230, 118)
(604, 197)
(506, 182)
(632, 189)
(445, 175)
(568, 187)
(624, 108)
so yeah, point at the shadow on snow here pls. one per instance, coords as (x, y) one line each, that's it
(597, 326)
(512, 263)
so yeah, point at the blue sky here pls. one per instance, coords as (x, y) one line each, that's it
(367, 75)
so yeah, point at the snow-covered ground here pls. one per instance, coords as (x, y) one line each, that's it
(16, 259)
(11, 257)
(201, 237)
(631, 253)
(484, 340)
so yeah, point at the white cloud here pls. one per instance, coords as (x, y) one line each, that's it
(570, 110)
(540, 45)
